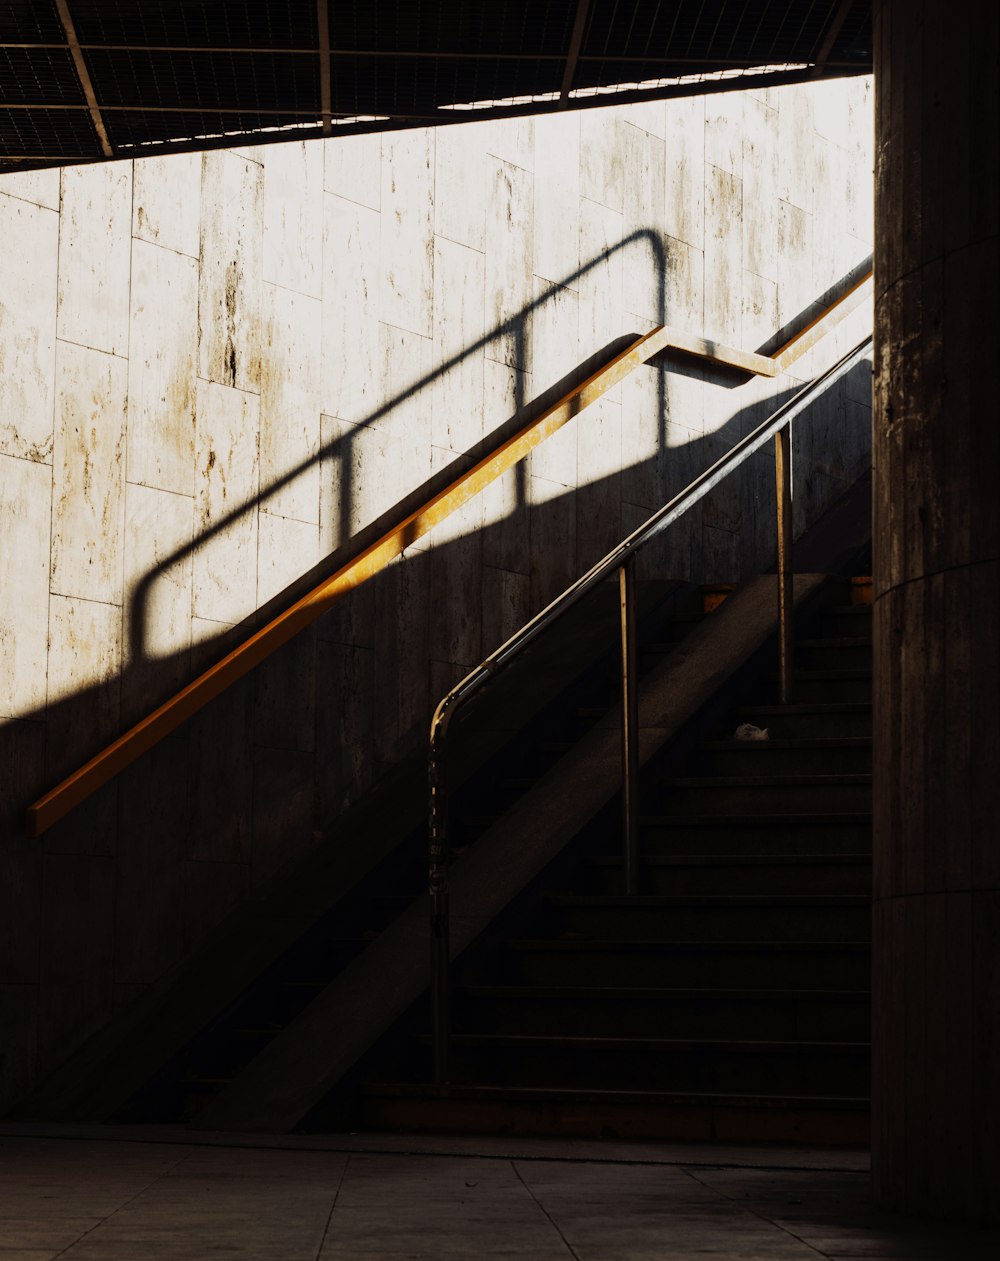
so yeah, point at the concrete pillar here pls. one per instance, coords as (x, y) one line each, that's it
(936, 977)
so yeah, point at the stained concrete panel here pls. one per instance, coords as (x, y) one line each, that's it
(225, 560)
(25, 515)
(158, 595)
(396, 455)
(683, 210)
(796, 140)
(163, 361)
(455, 574)
(511, 140)
(506, 603)
(27, 327)
(723, 255)
(232, 194)
(95, 245)
(507, 541)
(22, 757)
(77, 945)
(283, 809)
(461, 169)
(156, 817)
(286, 549)
(509, 282)
(598, 479)
(352, 168)
(603, 146)
(457, 390)
(556, 237)
(761, 156)
(293, 215)
(83, 681)
(88, 497)
(725, 126)
(166, 202)
(602, 317)
(350, 328)
(406, 289)
(38, 187)
(645, 160)
(290, 404)
(554, 353)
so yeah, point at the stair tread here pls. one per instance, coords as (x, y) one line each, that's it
(734, 860)
(847, 817)
(569, 1094)
(726, 901)
(836, 641)
(832, 674)
(577, 1042)
(766, 781)
(809, 707)
(633, 945)
(792, 742)
(661, 993)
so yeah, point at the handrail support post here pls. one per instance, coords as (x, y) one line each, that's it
(783, 487)
(630, 725)
(440, 922)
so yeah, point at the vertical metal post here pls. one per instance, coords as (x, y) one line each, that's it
(783, 480)
(630, 726)
(439, 919)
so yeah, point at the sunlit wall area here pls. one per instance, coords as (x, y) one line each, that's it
(216, 369)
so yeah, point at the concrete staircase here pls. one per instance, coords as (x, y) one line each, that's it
(730, 998)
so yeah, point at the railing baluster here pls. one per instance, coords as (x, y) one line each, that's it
(630, 725)
(621, 561)
(439, 916)
(783, 480)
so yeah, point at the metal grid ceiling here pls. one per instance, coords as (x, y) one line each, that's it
(86, 80)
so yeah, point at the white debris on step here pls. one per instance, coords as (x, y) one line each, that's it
(747, 731)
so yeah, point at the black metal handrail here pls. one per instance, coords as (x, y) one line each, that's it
(620, 561)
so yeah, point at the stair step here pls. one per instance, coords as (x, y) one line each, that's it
(811, 721)
(625, 1114)
(736, 873)
(778, 756)
(847, 619)
(788, 917)
(763, 834)
(667, 963)
(762, 1014)
(746, 794)
(716, 1065)
(829, 685)
(840, 652)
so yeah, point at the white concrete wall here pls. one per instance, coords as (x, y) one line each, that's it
(215, 369)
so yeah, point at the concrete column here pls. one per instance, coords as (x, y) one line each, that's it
(936, 1055)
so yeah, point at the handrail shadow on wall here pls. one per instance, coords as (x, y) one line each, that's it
(375, 546)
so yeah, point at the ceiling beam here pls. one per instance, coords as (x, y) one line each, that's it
(323, 23)
(84, 77)
(573, 55)
(830, 38)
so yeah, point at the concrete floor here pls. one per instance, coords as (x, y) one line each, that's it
(107, 1195)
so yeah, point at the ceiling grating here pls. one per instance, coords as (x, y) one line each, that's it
(81, 80)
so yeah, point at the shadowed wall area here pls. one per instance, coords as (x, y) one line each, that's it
(219, 369)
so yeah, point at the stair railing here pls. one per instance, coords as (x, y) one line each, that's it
(618, 563)
(373, 558)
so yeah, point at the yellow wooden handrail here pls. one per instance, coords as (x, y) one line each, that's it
(105, 765)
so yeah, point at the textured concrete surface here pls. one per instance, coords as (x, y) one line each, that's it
(218, 368)
(316, 1200)
(936, 957)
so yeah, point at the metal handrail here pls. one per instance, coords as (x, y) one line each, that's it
(372, 559)
(620, 560)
